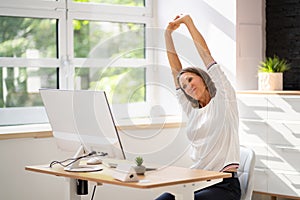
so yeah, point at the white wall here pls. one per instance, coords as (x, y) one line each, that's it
(16, 183)
(234, 31)
(250, 42)
(215, 20)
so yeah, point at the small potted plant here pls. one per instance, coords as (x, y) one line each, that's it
(270, 76)
(139, 168)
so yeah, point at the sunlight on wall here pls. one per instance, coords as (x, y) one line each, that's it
(225, 8)
(225, 53)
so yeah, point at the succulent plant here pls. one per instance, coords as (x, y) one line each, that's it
(139, 161)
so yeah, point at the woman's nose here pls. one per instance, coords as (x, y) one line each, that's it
(189, 86)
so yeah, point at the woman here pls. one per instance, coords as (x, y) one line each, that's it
(209, 101)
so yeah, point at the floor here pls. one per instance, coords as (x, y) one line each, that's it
(266, 197)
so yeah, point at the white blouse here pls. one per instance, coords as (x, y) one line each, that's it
(213, 129)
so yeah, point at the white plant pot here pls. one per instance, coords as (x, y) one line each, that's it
(270, 81)
(140, 170)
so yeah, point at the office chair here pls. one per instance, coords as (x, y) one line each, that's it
(246, 172)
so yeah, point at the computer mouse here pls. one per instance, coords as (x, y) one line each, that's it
(94, 161)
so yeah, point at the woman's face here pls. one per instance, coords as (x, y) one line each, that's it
(192, 84)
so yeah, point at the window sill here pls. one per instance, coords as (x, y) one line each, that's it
(25, 131)
(44, 130)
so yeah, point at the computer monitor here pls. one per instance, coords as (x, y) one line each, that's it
(82, 119)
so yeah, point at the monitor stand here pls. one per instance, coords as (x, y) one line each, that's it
(76, 167)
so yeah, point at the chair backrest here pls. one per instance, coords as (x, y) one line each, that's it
(246, 171)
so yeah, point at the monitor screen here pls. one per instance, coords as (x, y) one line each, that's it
(82, 118)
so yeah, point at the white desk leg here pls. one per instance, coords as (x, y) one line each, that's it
(186, 192)
(72, 195)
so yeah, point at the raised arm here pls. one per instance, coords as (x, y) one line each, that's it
(198, 39)
(173, 58)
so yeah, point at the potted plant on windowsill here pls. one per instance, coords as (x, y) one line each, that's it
(139, 168)
(270, 76)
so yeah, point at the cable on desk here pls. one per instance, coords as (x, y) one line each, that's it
(71, 159)
(94, 189)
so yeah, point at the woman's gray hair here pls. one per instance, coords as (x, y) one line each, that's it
(206, 79)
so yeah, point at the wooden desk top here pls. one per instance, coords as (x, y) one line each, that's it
(165, 176)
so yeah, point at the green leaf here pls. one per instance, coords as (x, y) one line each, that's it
(139, 161)
(274, 64)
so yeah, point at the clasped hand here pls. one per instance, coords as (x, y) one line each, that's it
(179, 19)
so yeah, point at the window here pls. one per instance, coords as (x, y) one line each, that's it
(71, 44)
(110, 41)
(23, 37)
(116, 2)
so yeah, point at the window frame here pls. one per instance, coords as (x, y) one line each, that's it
(33, 9)
(65, 12)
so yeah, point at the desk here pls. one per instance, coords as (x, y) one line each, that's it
(182, 182)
